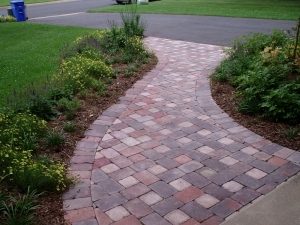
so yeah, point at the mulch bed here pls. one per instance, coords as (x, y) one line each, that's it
(224, 96)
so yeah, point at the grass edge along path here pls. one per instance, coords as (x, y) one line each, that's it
(30, 53)
(268, 9)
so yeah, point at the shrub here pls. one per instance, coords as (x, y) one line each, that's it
(69, 126)
(132, 23)
(78, 73)
(70, 107)
(55, 138)
(43, 107)
(260, 67)
(40, 173)
(20, 130)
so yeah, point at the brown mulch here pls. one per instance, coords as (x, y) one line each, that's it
(50, 209)
(224, 96)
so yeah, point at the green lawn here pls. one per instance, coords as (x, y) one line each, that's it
(266, 9)
(7, 2)
(30, 52)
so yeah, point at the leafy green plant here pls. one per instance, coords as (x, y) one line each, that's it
(57, 93)
(20, 130)
(259, 66)
(69, 126)
(43, 174)
(40, 173)
(2, 195)
(20, 211)
(43, 107)
(70, 107)
(291, 133)
(55, 138)
(78, 73)
(132, 23)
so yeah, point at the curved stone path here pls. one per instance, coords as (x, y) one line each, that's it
(167, 154)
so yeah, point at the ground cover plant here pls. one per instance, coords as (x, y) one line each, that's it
(268, 9)
(261, 79)
(41, 123)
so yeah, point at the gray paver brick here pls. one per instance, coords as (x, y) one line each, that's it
(110, 202)
(163, 189)
(166, 206)
(171, 175)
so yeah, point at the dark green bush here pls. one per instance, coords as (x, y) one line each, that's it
(259, 66)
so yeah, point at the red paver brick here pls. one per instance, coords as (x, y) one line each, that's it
(214, 220)
(100, 162)
(137, 158)
(189, 194)
(130, 220)
(146, 177)
(191, 222)
(182, 159)
(265, 189)
(80, 214)
(276, 161)
(131, 151)
(289, 169)
(102, 218)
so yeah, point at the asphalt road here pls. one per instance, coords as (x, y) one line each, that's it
(199, 29)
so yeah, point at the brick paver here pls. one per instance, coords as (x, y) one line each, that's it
(167, 154)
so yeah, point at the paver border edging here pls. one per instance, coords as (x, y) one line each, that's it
(85, 154)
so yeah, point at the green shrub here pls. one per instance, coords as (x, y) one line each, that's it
(69, 126)
(43, 107)
(70, 107)
(40, 173)
(132, 24)
(78, 73)
(55, 138)
(56, 94)
(20, 130)
(259, 67)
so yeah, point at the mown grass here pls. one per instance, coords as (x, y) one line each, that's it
(267, 9)
(7, 2)
(30, 53)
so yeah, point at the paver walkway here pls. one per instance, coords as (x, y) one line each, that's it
(167, 154)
